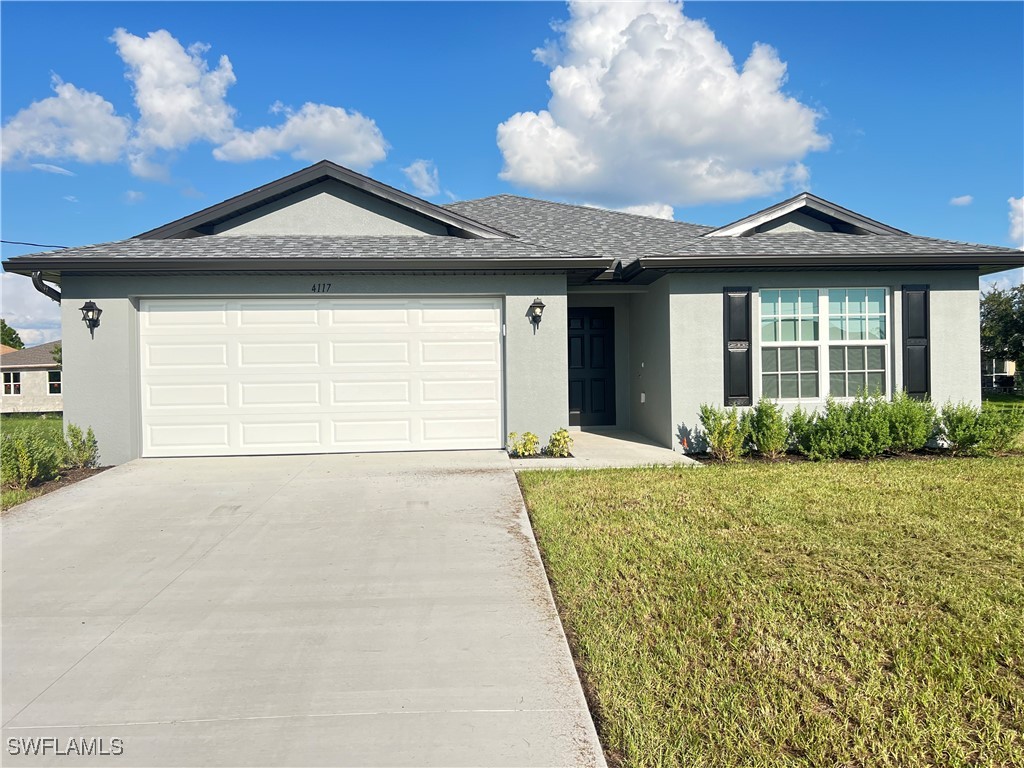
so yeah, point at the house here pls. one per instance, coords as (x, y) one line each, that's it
(328, 312)
(32, 380)
(997, 375)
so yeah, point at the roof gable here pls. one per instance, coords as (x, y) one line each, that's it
(802, 211)
(40, 356)
(330, 178)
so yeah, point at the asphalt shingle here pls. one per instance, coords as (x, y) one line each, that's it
(30, 357)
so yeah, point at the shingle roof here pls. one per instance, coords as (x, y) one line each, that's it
(826, 244)
(580, 229)
(30, 357)
(307, 247)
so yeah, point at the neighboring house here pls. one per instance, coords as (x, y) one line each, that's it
(997, 375)
(32, 380)
(327, 312)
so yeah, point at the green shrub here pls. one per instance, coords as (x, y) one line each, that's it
(527, 445)
(1006, 426)
(911, 423)
(766, 428)
(827, 437)
(801, 424)
(81, 450)
(964, 430)
(559, 444)
(27, 458)
(724, 430)
(867, 428)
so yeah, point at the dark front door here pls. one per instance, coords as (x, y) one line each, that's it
(591, 366)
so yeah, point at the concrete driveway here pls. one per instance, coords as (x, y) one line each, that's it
(301, 610)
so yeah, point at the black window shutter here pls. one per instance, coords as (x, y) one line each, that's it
(738, 369)
(916, 348)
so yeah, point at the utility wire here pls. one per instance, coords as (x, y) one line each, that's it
(34, 245)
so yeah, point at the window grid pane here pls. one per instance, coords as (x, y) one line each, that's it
(855, 370)
(789, 372)
(789, 315)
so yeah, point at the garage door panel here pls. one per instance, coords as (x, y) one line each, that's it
(460, 351)
(447, 392)
(389, 353)
(264, 315)
(177, 395)
(281, 435)
(184, 437)
(180, 356)
(258, 354)
(380, 433)
(363, 393)
(282, 393)
(261, 377)
(169, 316)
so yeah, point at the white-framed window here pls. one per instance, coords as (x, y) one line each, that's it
(53, 382)
(818, 342)
(12, 382)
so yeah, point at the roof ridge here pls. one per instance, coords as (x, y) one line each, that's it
(584, 206)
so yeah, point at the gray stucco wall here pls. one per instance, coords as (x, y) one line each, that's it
(650, 364)
(619, 302)
(697, 330)
(35, 394)
(331, 208)
(101, 374)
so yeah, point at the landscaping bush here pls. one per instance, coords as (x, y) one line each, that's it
(969, 431)
(559, 444)
(28, 458)
(82, 450)
(527, 445)
(827, 436)
(911, 423)
(724, 430)
(766, 428)
(801, 423)
(867, 427)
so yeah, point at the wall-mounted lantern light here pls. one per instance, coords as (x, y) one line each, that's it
(536, 312)
(91, 316)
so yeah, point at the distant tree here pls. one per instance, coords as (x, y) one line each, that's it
(9, 336)
(58, 352)
(1002, 325)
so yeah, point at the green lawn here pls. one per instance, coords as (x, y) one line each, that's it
(835, 614)
(1004, 401)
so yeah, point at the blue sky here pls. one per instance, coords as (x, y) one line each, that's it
(891, 109)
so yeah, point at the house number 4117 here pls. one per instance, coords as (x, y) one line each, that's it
(321, 287)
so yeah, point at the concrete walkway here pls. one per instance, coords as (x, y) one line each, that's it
(373, 610)
(609, 448)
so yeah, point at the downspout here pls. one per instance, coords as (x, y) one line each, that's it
(47, 290)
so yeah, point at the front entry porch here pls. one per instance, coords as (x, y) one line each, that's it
(609, 448)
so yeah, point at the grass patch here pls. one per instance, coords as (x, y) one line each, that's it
(846, 613)
(50, 424)
(1003, 401)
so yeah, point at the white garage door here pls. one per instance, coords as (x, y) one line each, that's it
(269, 376)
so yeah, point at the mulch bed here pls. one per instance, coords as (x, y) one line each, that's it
(70, 477)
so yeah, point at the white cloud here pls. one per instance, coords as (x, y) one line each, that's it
(1017, 221)
(646, 102)
(71, 125)
(422, 174)
(656, 210)
(962, 200)
(71, 198)
(315, 132)
(32, 315)
(179, 98)
(47, 168)
(133, 196)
